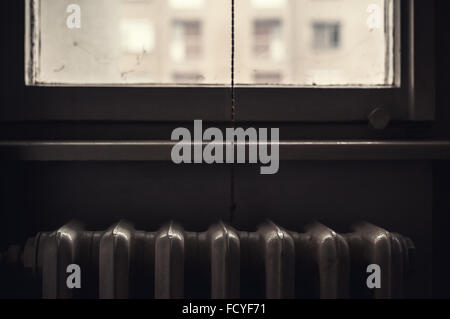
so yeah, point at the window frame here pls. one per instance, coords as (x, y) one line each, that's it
(413, 101)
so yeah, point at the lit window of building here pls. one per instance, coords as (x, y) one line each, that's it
(137, 35)
(186, 4)
(187, 77)
(268, 3)
(261, 77)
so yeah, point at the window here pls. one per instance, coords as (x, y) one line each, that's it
(137, 36)
(267, 39)
(305, 60)
(302, 39)
(123, 42)
(187, 41)
(187, 4)
(187, 77)
(326, 35)
(267, 77)
(268, 4)
(318, 43)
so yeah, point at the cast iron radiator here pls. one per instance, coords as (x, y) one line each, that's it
(272, 262)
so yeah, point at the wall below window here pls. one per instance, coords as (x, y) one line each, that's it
(394, 195)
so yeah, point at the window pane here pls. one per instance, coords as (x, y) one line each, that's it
(170, 42)
(150, 42)
(315, 42)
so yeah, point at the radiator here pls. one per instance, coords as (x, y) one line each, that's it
(272, 262)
